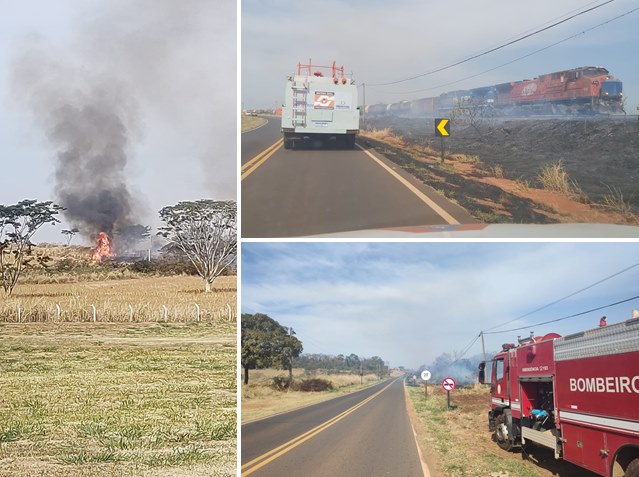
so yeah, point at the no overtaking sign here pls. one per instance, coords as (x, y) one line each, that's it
(448, 384)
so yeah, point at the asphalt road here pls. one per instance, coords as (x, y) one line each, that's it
(318, 190)
(367, 433)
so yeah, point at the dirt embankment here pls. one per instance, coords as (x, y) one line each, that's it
(492, 167)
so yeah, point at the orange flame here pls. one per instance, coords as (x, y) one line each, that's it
(103, 249)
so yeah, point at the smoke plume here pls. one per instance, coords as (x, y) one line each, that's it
(133, 69)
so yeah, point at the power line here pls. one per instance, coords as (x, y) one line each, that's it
(567, 296)
(489, 332)
(565, 317)
(516, 59)
(493, 49)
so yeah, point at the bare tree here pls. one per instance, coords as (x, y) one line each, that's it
(18, 223)
(206, 231)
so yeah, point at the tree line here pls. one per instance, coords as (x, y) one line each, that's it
(268, 344)
(205, 231)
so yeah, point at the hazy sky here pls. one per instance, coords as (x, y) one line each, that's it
(172, 64)
(382, 42)
(409, 303)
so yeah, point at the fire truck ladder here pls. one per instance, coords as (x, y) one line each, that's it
(300, 91)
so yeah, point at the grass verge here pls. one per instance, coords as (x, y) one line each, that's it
(459, 438)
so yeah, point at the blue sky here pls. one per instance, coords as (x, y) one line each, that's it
(410, 302)
(380, 42)
(175, 60)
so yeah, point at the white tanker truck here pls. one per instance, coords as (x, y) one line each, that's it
(320, 107)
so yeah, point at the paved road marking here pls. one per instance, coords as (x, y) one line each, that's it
(260, 159)
(273, 454)
(423, 197)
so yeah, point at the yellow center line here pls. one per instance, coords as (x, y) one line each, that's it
(423, 197)
(284, 448)
(258, 160)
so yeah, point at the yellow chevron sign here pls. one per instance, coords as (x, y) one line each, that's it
(442, 127)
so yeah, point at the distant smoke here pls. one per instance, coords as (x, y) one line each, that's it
(133, 66)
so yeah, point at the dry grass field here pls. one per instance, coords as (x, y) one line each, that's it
(118, 399)
(172, 299)
(260, 400)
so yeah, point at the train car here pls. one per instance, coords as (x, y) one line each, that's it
(424, 107)
(452, 100)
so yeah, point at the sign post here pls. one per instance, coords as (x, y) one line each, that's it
(448, 384)
(425, 378)
(442, 130)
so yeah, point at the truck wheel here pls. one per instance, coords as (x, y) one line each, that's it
(502, 434)
(633, 469)
(349, 142)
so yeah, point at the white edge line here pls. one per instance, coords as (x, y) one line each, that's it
(425, 469)
(423, 197)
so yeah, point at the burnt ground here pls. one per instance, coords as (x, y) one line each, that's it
(600, 155)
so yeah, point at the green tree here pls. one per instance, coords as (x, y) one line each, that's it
(69, 234)
(18, 224)
(266, 343)
(206, 231)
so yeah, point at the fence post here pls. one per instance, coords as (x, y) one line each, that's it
(230, 315)
(130, 313)
(197, 313)
(165, 312)
(94, 313)
(19, 315)
(57, 307)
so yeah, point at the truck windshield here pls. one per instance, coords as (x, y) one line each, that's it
(611, 88)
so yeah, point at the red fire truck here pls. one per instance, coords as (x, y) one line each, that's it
(577, 395)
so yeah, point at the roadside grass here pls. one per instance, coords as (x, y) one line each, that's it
(118, 399)
(251, 122)
(454, 436)
(161, 299)
(553, 177)
(260, 399)
(616, 202)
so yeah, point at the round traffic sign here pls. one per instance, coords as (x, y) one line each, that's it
(425, 375)
(448, 384)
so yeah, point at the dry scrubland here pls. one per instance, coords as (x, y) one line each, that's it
(107, 399)
(457, 442)
(260, 399)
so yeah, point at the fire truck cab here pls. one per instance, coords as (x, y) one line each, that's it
(577, 395)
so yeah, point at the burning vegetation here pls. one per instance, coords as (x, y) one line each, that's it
(103, 248)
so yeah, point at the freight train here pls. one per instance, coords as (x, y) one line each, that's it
(585, 90)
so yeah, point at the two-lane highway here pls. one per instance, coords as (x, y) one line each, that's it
(310, 191)
(362, 434)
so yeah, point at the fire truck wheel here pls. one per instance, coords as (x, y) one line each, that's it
(502, 434)
(633, 469)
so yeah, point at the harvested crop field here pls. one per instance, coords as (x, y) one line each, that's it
(125, 399)
(493, 168)
(172, 299)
